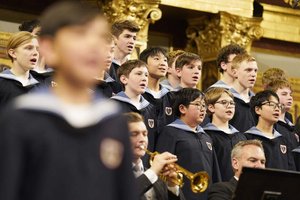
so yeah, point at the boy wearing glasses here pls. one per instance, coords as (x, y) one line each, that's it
(221, 108)
(188, 141)
(266, 108)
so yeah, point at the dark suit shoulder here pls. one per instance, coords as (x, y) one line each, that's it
(222, 190)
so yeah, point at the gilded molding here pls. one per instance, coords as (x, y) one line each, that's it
(4, 36)
(208, 34)
(293, 3)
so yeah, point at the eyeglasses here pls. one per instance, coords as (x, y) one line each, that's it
(273, 105)
(226, 103)
(200, 106)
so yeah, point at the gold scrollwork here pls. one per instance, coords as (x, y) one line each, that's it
(293, 3)
(208, 34)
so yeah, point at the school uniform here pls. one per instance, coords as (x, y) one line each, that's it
(144, 108)
(243, 118)
(46, 154)
(43, 78)
(113, 70)
(223, 144)
(220, 84)
(108, 87)
(276, 149)
(194, 151)
(296, 153)
(11, 87)
(162, 102)
(223, 190)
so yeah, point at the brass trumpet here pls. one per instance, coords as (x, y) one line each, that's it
(199, 181)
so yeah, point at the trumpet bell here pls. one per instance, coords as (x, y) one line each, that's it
(199, 182)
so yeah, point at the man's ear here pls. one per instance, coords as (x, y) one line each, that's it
(47, 50)
(123, 79)
(235, 164)
(12, 53)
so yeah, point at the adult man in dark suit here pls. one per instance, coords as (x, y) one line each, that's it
(248, 153)
(150, 187)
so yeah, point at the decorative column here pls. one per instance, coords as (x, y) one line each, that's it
(208, 34)
(143, 12)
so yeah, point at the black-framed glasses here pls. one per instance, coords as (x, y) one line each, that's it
(273, 105)
(200, 106)
(226, 103)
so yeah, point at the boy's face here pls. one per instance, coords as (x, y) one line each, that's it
(223, 109)
(26, 56)
(126, 41)
(75, 51)
(190, 74)
(195, 112)
(157, 66)
(109, 55)
(138, 138)
(246, 74)
(285, 97)
(249, 156)
(137, 80)
(227, 66)
(269, 111)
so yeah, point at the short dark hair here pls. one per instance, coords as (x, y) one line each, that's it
(184, 97)
(259, 99)
(66, 13)
(29, 25)
(226, 51)
(119, 26)
(151, 52)
(185, 59)
(128, 66)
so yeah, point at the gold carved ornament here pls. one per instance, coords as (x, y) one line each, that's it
(207, 35)
(293, 3)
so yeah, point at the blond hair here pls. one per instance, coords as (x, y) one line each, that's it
(278, 84)
(239, 59)
(273, 74)
(212, 95)
(18, 39)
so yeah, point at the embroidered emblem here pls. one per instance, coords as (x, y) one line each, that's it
(209, 145)
(53, 84)
(283, 148)
(111, 153)
(168, 111)
(151, 123)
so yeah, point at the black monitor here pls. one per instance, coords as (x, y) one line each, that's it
(268, 184)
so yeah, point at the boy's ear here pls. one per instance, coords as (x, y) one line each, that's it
(235, 72)
(223, 66)
(182, 109)
(123, 79)
(115, 39)
(48, 51)
(178, 72)
(12, 53)
(257, 110)
(211, 108)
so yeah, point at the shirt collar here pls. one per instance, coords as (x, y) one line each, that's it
(44, 100)
(212, 127)
(162, 92)
(7, 74)
(181, 125)
(254, 131)
(121, 96)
